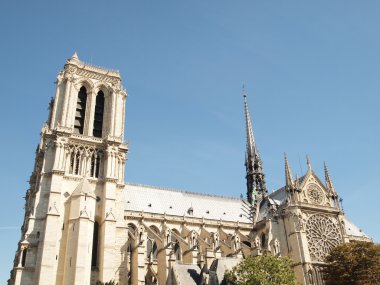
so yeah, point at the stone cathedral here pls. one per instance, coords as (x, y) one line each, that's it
(83, 223)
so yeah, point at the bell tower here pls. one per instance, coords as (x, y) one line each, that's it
(73, 209)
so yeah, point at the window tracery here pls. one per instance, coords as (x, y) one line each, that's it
(316, 275)
(176, 247)
(84, 160)
(152, 249)
(323, 235)
(315, 194)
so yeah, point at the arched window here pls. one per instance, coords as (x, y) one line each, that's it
(23, 257)
(177, 250)
(80, 111)
(72, 160)
(151, 244)
(151, 252)
(77, 161)
(263, 239)
(176, 247)
(95, 240)
(97, 165)
(92, 171)
(98, 117)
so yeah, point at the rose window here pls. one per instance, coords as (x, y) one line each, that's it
(315, 194)
(322, 236)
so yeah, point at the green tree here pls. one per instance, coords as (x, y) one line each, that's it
(355, 263)
(262, 270)
(112, 282)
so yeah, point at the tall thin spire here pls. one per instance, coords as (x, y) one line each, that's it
(256, 189)
(251, 145)
(329, 184)
(288, 175)
(297, 183)
(331, 189)
(308, 163)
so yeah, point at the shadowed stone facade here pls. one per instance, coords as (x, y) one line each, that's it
(83, 223)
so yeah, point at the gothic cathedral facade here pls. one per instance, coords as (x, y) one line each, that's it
(83, 223)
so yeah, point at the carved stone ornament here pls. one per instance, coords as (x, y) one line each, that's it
(60, 77)
(275, 246)
(315, 194)
(69, 72)
(299, 221)
(215, 240)
(323, 235)
(98, 76)
(257, 242)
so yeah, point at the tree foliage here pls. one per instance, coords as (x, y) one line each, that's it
(262, 270)
(355, 263)
(112, 282)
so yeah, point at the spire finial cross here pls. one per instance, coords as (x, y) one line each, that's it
(244, 91)
(308, 163)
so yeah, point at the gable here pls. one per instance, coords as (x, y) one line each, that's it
(313, 191)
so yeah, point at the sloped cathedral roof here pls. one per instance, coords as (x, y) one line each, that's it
(157, 200)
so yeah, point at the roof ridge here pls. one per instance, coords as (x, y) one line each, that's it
(181, 191)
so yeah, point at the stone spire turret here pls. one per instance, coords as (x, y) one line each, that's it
(297, 183)
(75, 56)
(330, 187)
(329, 184)
(256, 188)
(308, 163)
(288, 175)
(251, 145)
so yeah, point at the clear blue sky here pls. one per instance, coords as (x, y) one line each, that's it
(311, 68)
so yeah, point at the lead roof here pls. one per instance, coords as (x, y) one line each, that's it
(157, 200)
